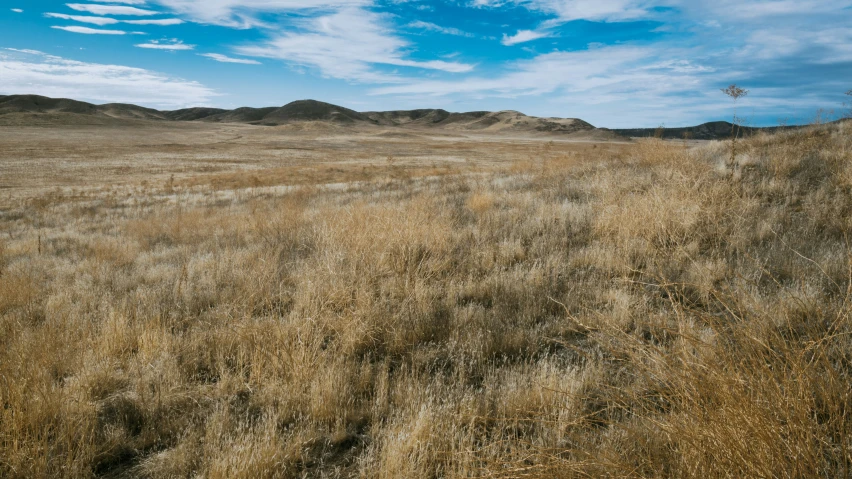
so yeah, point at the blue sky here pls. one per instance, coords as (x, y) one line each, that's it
(614, 63)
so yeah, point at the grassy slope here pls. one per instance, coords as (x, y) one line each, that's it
(646, 315)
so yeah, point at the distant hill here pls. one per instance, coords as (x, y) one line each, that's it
(716, 130)
(192, 114)
(486, 121)
(240, 115)
(302, 110)
(312, 110)
(297, 111)
(130, 112)
(35, 109)
(41, 104)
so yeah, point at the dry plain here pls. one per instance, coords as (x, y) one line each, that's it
(36, 160)
(310, 300)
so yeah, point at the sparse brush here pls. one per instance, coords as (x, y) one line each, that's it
(734, 93)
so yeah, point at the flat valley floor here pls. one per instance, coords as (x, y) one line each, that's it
(38, 160)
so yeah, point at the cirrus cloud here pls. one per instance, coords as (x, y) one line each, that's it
(90, 31)
(112, 21)
(172, 45)
(523, 36)
(428, 26)
(244, 13)
(109, 9)
(226, 59)
(160, 22)
(83, 18)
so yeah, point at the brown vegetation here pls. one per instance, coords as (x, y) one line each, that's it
(644, 313)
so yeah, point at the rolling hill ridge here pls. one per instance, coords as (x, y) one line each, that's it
(35, 109)
(303, 111)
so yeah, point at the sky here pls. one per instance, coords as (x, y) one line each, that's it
(613, 63)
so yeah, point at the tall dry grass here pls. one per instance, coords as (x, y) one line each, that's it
(646, 315)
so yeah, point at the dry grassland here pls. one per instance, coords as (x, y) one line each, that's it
(36, 161)
(543, 311)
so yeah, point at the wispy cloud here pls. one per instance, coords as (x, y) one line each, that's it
(340, 38)
(745, 11)
(24, 50)
(523, 36)
(29, 71)
(545, 73)
(83, 18)
(629, 10)
(110, 9)
(17, 10)
(226, 59)
(564, 11)
(112, 21)
(244, 13)
(90, 31)
(166, 45)
(596, 10)
(161, 22)
(432, 27)
(348, 45)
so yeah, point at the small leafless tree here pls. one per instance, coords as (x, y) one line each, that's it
(735, 93)
(847, 113)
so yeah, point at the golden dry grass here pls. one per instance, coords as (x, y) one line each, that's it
(84, 159)
(637, 313)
